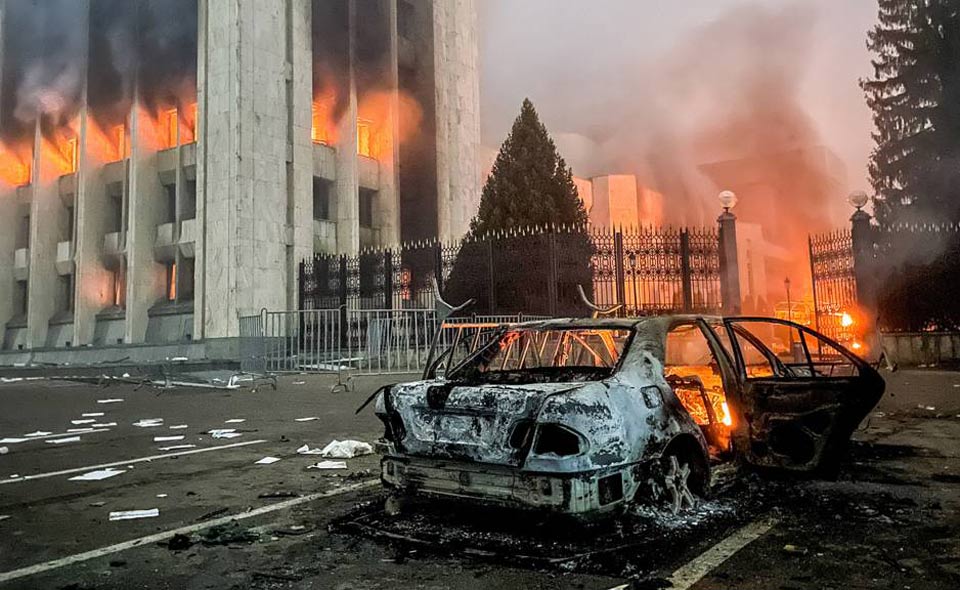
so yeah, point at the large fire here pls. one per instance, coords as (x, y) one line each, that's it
(373, 120)
(168, 127)
(60, 155)
(14, 165)
(105, 145)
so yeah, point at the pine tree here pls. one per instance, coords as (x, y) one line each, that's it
(530, 189)
(530, 184)
(915, 97)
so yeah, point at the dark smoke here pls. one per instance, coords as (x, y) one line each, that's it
(148, 43)
(331, 51)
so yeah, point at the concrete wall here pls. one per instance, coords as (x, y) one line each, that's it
(911, 349)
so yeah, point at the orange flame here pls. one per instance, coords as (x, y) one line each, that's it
(105, 146)
(373, 130)
(160, 129)
(324, 127)
(62, 154)
(14, 166)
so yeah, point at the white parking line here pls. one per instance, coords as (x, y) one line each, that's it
(129, 461)
(185, 530)
(709, 560)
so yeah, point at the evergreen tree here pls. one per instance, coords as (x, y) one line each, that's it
(530, 184)
(915, 98)
(537, 268)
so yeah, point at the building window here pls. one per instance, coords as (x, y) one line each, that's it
(68, 232)
(119, 288)
(321, 199)
(364, 143)
(189, 202)
(23, 233)
(171, 281)
(170, 190)
(185, 279)
(66, 293)
(367, 198)
(22, 297)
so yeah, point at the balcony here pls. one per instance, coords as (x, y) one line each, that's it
(188, 238)
(21, 264)
(114, 245)
(165, 245)
(67, 189)
(368, 172)
(324, 236)
(65, 264)
(324, 162)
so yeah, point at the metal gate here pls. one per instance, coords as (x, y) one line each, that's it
(834, 280)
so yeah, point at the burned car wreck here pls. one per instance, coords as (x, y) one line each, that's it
(589, 416)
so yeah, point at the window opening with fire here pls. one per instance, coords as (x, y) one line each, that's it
(692, 370)
(776, 349)
(534, 356)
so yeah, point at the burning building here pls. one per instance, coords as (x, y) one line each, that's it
(166, 164)
(618, 201)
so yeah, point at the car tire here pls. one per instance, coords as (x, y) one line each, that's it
(676, 482)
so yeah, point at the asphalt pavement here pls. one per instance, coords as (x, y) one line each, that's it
(890, 521)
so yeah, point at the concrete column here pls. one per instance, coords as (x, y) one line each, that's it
(199, 270)
(864, 268)
(729, 271)
(347, 186)
(146, 279)
(300, 162)
(45, 206)
(242, 161)
(8, 221)
(458, 115)
(387, 213)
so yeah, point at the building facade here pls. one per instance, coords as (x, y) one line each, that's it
(156, 202)
(618, 201)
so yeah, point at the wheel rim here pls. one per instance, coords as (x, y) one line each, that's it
(676, 485)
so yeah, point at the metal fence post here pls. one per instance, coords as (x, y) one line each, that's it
(343, 290)
(619, 272)
(492, 275)
(553, 276)
(686, 280)
(729, 269)
(862, 239)
(438, 264)
(388, 279)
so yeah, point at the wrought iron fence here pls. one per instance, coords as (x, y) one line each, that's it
(533, 271)
(834, 280)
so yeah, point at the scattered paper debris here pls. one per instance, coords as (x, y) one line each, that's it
(178, 427)
(4, 450)
(223, 433)
(4, 516)
(177, 447)
(306, 450)
(309, 419)
(57, 441)
(76, 430)
(104, 425)
(38, 433)
(235, 421)
(299, 383)
(928, 408)
(167, 438)
(79, 422)
(179, 359)
(328, 465)
(149, 422)
(346, 449)
(115, 400)
(13, 441)
(161, 495)
(267, 461)
(132, 514)
(98, 475)
(91, 415)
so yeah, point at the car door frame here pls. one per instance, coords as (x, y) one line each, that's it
(794, 422)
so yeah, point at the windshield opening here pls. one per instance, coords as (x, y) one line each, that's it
(550, 355)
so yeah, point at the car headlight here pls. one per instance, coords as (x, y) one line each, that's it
(557, 440)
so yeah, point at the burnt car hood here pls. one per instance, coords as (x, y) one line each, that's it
(444, 420)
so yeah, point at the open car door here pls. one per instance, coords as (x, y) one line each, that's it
(803, 394)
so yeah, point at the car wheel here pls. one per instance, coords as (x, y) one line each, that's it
(673, 483)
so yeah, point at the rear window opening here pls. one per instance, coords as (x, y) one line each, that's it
(692, 370)
(546, 356)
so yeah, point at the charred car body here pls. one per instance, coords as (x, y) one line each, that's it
(586, 416)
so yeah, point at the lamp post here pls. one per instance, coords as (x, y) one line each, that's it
(729, 271)
(786, 284)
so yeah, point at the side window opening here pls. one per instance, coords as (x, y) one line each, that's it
(692, 370)
(778, 349)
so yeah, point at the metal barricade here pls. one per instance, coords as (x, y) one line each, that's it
(300, 341)
(388, 341)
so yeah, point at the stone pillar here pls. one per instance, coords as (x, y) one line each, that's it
(388, 200)
(43, 246)
(347, 186)
(863, 238)
(300, 164)
(729, 271)
(458, 115)
(242, 159)
(8, 221)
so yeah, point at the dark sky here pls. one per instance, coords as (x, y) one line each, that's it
(635, 74)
